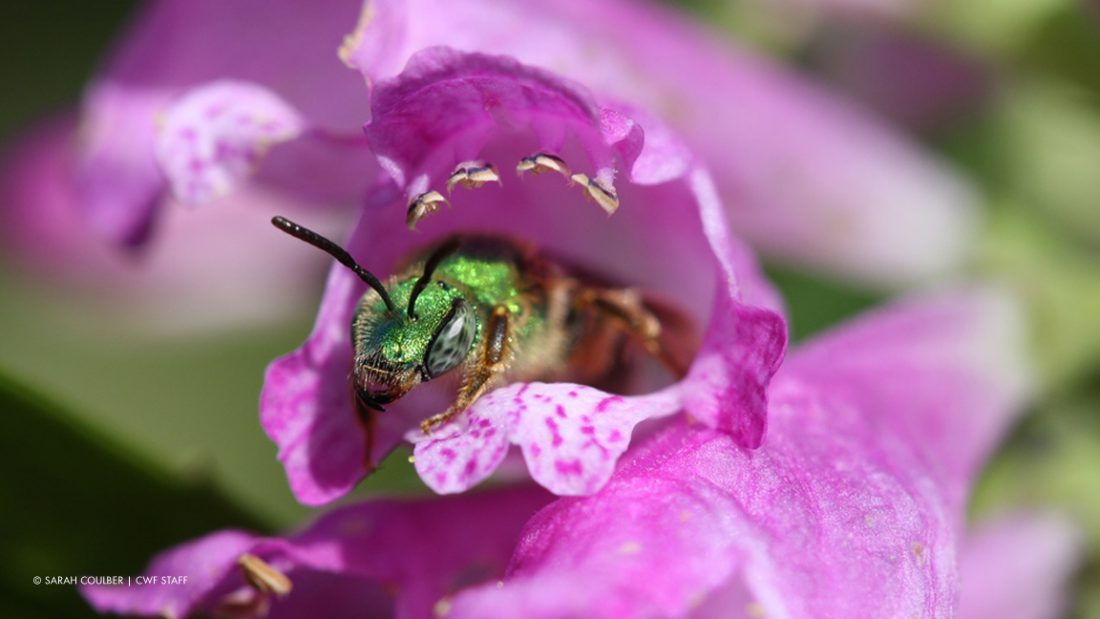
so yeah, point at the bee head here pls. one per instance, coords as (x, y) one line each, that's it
(394, 353)
(397, 349)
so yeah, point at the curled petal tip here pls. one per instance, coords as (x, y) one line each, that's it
(543, 162)
(423, 205)
(472, 174)
(602, 194)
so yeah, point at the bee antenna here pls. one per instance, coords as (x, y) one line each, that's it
(334, 250)
(433, 261)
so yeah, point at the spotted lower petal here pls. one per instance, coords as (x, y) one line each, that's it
(571, 436)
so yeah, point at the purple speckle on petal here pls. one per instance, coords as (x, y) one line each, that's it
(614, 437)
(448, 454)
(608, 401)
(518, 399)
(572, 467)
(560, 411)
(554, 430)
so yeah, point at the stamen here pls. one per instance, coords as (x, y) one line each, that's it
(472, 174)
(598, 192)
(262, 576)
(543, 162)
(423, 205)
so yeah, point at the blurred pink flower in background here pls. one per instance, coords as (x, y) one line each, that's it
(220, 267)
(918, 82)
(176, 49)
(74, 187)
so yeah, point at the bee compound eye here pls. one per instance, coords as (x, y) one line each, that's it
(451, 341)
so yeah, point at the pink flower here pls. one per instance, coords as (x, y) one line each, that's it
(852, 507)
(445, 109)
(219, 268)
(113, 173)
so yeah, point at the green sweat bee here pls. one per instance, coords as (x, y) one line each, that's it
(501, 311)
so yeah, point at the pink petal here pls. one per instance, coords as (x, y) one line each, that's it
(1018, 566)
(844, 511)
(571, 436)
(215, 136)
(806, 176)
(959, 352)
(324, 455)
(744, 344)
(243, 276)
(118, 179)
(445, 107)
(344, 562)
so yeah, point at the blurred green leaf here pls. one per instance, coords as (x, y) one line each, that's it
(994, 26)
(52, 49)
(1060, 285)
(1049, 137)
(1066, 47)
(77, 503)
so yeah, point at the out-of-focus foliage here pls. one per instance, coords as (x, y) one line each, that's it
(77, 502)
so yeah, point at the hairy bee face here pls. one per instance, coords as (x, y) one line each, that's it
(396, 352)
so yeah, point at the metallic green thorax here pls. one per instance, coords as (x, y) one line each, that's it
(483, 282)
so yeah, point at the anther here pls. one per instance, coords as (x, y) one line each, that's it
(262, 576)
(598, 192)
(423, 205)
(472, 174)
(543, 162)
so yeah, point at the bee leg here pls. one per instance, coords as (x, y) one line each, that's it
(649, 322)
(482, 373)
